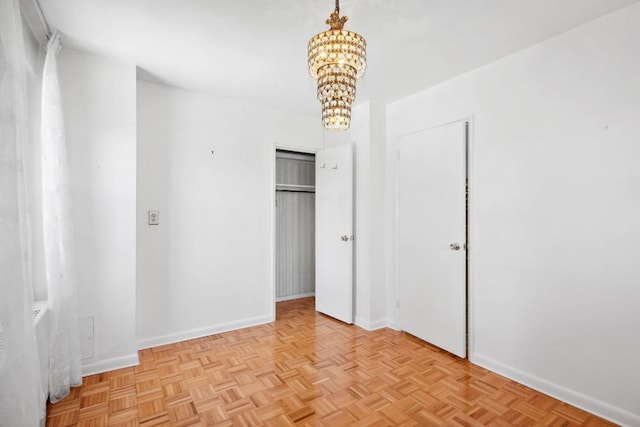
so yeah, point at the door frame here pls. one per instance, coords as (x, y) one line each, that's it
(272, 197)
(470, 226)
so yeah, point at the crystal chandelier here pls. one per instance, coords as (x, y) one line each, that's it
(336, 59)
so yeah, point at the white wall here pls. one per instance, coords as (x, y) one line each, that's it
(99, 98)
(367, 136)
(34, 183)
(360, 136)
(34, 57)
(555, 211)
(209, 265)
(32, 50)
(378, 248)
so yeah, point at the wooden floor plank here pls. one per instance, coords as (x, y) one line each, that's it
(307, 369)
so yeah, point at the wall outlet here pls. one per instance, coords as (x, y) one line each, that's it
(154, 218)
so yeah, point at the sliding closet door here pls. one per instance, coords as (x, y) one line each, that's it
(295, 249)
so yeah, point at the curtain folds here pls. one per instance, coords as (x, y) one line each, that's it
(64, 365)
(21, 397)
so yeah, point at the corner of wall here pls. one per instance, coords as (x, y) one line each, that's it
(110, 364)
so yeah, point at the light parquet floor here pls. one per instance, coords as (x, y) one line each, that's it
(307, 369)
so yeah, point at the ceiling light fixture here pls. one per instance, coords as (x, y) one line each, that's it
(336, 59)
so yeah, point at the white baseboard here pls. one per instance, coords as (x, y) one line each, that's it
(101, 366)
(297, 296)
(370, 325)
(597, 407)
(202, 332)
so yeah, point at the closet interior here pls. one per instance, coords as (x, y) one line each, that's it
(295, 225)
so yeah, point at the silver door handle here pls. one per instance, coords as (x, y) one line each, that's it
(344, 238)
(454, 246)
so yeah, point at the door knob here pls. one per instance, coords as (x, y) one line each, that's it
(344, 238)
(454, 246)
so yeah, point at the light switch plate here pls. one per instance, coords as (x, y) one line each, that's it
(154, 217)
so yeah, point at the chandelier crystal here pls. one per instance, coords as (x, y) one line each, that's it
(337, 58)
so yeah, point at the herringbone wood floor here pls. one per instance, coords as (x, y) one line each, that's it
(307, 369)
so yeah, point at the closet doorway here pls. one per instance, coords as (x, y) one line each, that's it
(295, 225)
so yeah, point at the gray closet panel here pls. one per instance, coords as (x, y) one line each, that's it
(295, 172)
(295, 247)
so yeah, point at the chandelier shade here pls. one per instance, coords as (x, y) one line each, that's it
(337, 58)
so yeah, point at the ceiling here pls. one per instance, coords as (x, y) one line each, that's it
(255, 50)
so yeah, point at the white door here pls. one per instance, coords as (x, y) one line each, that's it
(432, 236)
(334, 228)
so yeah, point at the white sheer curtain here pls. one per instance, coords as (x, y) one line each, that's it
(21, 398)
(64, 365)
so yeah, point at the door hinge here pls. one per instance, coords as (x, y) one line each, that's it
(398, 155)
(398, 302)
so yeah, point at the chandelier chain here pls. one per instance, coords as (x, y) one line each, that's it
(338, 7)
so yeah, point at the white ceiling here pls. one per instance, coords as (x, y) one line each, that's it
(255, 50)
